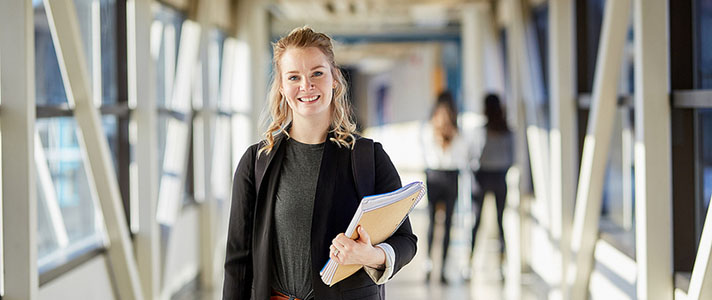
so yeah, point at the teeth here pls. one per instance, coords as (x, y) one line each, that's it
(309, 99)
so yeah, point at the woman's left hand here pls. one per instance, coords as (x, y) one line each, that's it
(346, 251)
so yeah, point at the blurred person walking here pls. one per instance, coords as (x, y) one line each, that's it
(443, 151)
(495, 159)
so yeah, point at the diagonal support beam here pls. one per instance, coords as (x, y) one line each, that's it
(653, 190)
(596, 144)
(701, 280)
(17, 124)
(104, 185)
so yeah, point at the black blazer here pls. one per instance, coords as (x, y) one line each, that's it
(249, 249)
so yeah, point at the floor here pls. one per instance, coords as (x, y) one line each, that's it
(487, 279)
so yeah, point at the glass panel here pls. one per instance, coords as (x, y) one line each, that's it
(618, 190)
(109, 60)
(69, 222)
(594, 15)
(174, 136)
(705, 162)
(703, 45)
(91, 14)
(49, 86)
(216, 56)
(541, 25)
(172, 21)
(110, 125)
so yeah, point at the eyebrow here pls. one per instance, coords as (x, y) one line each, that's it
(312, 69)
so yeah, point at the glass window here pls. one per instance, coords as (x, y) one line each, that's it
(617, 206)
(541, 24)
(97, 19)
(69, 222)
(170, 22)
(705, 163)
(703, 45)
(49, 86)
(594, 20)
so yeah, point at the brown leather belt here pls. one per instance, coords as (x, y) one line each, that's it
(279, 296)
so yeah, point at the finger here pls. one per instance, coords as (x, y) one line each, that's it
(363, 235)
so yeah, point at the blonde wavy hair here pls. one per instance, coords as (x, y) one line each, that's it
(342, 126)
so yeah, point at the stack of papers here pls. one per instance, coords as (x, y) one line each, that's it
(380, 215)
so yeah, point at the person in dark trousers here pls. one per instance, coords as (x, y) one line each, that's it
(444, 156)
(495, 159)
(294, 192)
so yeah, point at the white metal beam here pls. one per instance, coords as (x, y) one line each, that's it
(701, 280)
(142, 97)
(517, 120)
(562, 134)
(17, 124)
(596, 144)
(653, 191)
(51, 203)
(102, 178)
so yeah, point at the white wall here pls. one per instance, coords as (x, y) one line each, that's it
(182, 260)
(88, 281)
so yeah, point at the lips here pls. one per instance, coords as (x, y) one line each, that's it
(309, 98)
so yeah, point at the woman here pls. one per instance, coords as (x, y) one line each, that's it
(496, 158)
(444, 155)
(283, 232)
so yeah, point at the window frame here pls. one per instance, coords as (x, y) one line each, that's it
(121, 111)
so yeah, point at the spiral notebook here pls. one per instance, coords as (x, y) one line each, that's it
(380, 215)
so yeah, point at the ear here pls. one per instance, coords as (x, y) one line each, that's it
(335, 84)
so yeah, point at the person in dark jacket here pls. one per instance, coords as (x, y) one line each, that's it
(496, 158)
(288, 220)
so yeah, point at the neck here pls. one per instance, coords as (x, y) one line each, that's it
(309, 131)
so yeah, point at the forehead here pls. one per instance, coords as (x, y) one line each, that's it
(300, 59)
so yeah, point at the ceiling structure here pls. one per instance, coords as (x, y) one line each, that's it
(366, 16)
(370, 18)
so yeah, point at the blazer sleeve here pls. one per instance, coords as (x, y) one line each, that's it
(238, 255)
(403, 241)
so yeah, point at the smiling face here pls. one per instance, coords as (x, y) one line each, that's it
(307, 83)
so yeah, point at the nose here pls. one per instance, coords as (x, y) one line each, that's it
(307, 84)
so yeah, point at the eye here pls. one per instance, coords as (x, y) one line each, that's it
(318, 73)
(293, 78)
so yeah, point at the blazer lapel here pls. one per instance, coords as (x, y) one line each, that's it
(264, 161)
(264, 209)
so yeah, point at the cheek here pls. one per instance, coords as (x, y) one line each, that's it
(288, 91)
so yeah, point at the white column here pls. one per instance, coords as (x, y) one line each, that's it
(562, 134)
(104, 185)
(142, 98)
(516, 199)
(530, 85)
(653, 192)
(17, 124)
(596, 144)
(203, 137)
(252, 28)
(472, 36)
